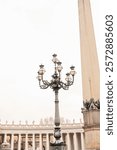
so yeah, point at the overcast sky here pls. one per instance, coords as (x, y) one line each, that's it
(30, 32)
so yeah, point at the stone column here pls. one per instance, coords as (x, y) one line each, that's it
(62, 137)
(89, 57)
(47, 141)
(12, 141)
(5, 138)
(90, 77)
(92, 129)
(68, 142)
(33, 141)
(75, 141)
(19, 142)
(41, 143)
(82, 141)
(26, 142)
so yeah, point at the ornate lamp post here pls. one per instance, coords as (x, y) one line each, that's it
(56, 84)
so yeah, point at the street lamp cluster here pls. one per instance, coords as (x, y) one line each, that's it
(56, 84)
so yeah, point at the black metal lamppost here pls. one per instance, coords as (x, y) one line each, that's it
(56, 84)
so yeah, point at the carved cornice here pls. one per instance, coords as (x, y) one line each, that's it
(91, 104)
(90, 127)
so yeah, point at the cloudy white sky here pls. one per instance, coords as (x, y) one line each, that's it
(30, 32)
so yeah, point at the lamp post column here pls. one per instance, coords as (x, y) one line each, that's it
(57, 116)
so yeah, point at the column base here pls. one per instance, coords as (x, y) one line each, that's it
(92, 129)
(92, 139)
(58, 146)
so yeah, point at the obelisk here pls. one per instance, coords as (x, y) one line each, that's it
(90, 77)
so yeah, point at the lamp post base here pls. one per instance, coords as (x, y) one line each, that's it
(58, 146)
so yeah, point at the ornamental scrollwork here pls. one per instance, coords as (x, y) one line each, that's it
(91, 104)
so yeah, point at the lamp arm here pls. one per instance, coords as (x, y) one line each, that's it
(45, 84)
(64, 85)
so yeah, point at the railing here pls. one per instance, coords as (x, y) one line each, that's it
(39, 126)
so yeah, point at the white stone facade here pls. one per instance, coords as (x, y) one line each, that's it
(38, 137)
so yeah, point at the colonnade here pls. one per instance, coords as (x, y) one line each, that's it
(38, 137)
(28, 141)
